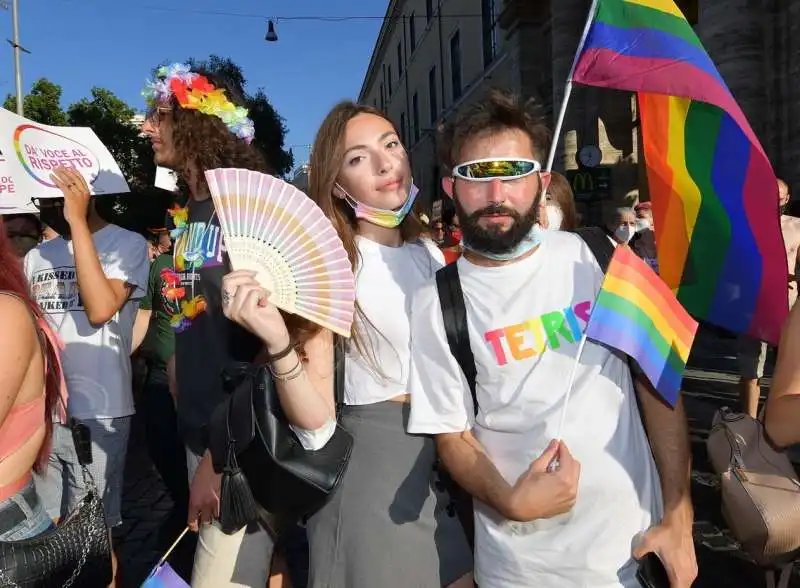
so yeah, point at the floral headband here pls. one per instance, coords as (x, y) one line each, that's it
(194, 91)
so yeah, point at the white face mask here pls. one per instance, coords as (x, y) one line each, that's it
(554, 217)
(642, 225)
(624, 233)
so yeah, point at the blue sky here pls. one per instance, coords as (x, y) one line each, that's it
(115, 43)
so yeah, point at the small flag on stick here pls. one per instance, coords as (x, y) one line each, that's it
(638, 314)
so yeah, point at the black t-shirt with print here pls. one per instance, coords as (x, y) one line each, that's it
(209, 342)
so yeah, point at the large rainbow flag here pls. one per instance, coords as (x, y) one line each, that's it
(714, 193)
(637, 313)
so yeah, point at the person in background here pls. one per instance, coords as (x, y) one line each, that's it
(782, 416)
(643, 242)
(33, 390)
(452, 246)
(48, 233)
(438, 233)
(621, 225)
(154, 338)
(24, 231)
(752, 353)
(87, 282)
(560, 209)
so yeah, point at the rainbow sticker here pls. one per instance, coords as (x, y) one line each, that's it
(41, 151)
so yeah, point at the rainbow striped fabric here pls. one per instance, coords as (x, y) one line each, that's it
(637, 313)
(714, 193)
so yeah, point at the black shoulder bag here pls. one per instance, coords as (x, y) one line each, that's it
(262, 460)
(454, 314)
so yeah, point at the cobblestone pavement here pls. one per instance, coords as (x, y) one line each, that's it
(709, 384)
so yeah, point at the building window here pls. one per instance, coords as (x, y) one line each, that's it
(432, 94)
(489, 25)
(403, 128)
(455, 65)
(399, 61)
(412, 31)
(415, 115)
(383, 99)
(389, 80)
(428, 10)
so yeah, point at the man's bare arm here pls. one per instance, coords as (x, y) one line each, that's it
(668, 432)
(783, 403)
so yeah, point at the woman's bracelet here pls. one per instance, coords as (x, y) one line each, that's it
(292, 374)
(281, 354)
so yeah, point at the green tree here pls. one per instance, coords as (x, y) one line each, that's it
(112, 121)
(270, 126)
(42, 104)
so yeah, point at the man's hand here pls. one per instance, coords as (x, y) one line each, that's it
(76, 194)
(539, 494)
(672, 542)
(204, 494)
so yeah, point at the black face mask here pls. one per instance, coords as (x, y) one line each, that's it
(51, 213)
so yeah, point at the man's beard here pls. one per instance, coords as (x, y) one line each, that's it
(495, 239)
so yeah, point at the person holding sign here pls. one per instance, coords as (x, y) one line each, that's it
(527, 295)
(87, 283)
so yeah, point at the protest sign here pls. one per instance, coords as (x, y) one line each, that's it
(34, 151)
(166, 179)
(11, 201)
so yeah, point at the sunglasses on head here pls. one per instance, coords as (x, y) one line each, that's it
(496, 168)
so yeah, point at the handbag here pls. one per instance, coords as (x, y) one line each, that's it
(76, 553)
(262, 460)
(760, 489)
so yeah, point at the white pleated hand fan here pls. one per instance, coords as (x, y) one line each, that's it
(274, 229)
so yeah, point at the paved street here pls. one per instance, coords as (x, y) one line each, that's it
(709, 385)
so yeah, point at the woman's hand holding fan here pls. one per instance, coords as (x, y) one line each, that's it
(290, 247)
(246, 302)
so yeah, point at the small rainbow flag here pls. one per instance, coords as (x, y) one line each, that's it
(714, 193)
(637, 313)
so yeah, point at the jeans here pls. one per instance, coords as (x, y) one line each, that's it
(22, 516)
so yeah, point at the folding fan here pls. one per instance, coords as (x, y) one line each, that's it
(274, 229)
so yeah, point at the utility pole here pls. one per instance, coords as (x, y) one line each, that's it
(18, 49)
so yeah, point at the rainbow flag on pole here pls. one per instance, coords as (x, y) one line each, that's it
(637, 313)
(714, 193)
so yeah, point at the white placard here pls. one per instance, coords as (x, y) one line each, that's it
(166, 179)
(34, 150)
(11, 201)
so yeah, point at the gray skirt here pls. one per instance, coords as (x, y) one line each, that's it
(388, 525)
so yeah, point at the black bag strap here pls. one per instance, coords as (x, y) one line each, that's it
(454, 314)
(600, 245)
(338, 366)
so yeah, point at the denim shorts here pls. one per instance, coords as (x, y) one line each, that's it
(23, 516)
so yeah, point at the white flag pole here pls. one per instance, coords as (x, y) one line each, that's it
(568, 87)
(570, 386)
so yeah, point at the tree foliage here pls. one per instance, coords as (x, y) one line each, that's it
(42, 104)
(270, 126)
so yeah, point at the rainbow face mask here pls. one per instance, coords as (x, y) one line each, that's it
(389, 219)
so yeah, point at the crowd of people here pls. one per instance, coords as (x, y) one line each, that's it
(578, 510)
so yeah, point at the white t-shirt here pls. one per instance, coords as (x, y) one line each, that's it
(525, 321)
(96, 360)
(386, 279)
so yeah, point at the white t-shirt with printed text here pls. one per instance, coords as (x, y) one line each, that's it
(96, 360)
(525, 321)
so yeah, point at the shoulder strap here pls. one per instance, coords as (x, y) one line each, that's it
(454, 313)
(338, 366)
(599, 244)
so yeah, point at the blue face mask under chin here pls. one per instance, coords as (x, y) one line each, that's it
(528, 243)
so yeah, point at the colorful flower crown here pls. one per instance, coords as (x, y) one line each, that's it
(194, 91)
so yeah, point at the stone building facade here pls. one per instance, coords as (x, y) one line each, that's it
(432, 57)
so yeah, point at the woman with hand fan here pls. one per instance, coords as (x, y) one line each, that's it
(387, 524)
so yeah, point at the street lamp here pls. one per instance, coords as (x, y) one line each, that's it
(272, 36)
(14, 42)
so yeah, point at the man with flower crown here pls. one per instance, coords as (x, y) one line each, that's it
(195, 123)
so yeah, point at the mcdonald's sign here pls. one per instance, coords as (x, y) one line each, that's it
(590, 184)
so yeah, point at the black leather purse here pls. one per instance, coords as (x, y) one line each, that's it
(76, 553)
(261, 458)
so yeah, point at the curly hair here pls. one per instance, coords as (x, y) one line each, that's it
(203, 142)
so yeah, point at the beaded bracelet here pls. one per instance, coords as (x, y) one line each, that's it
(290, 375)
